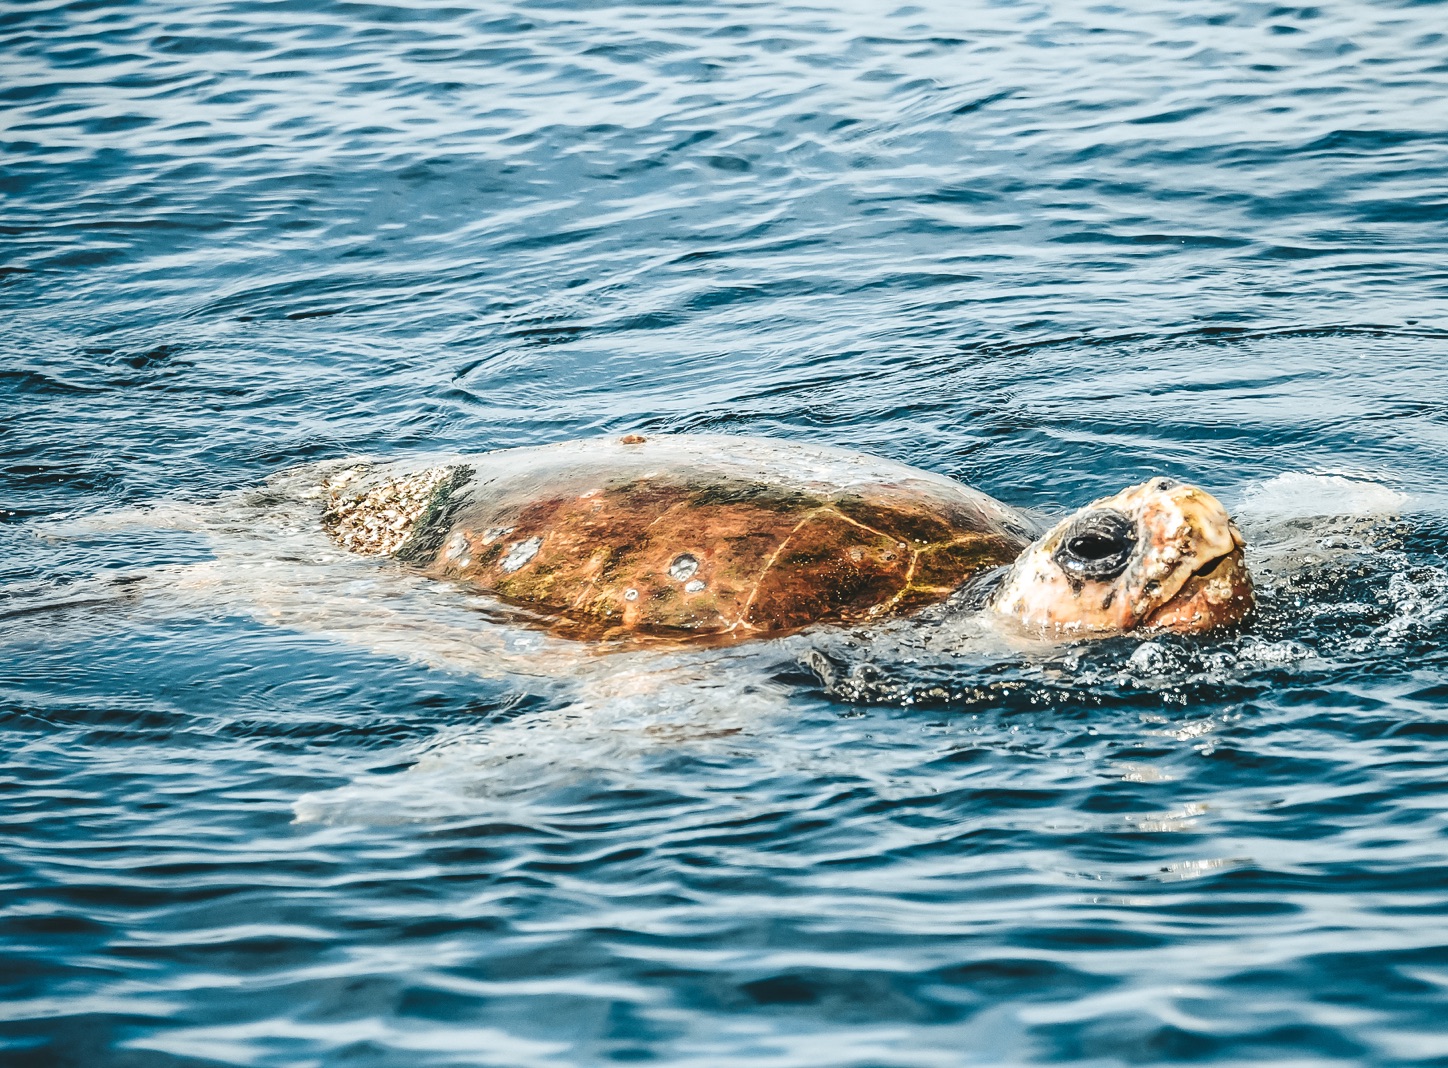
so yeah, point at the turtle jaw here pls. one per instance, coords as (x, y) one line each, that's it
(1217, 594)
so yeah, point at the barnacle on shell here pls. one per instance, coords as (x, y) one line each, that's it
(377, 521)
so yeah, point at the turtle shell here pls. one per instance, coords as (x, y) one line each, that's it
(698, 535)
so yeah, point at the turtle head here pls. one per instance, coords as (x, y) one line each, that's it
(1158, 556)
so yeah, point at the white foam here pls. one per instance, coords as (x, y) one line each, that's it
(1300, 495)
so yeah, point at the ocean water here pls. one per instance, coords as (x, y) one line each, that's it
(264, 809)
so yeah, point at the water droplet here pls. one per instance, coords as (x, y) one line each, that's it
(684, 566)
(630, 595)
(694, 586)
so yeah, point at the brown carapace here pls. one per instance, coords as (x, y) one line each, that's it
(685, 549)
(724, 557)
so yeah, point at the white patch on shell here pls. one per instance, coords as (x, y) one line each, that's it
(457, 549)
(520, 553)
(685, 566)
(492, 534)
(694, 586)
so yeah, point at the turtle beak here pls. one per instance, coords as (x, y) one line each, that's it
(1219, 592)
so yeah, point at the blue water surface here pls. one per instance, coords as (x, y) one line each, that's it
(1045, 248)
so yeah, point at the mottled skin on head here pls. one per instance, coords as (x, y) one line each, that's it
(604, 544)
(1184, 573)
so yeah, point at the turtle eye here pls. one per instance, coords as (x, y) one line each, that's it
(1097, 545)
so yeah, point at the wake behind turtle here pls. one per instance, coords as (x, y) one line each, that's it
(696, 536)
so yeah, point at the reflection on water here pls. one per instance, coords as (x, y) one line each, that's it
(265, 803)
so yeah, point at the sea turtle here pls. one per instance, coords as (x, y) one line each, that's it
(687, 536)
